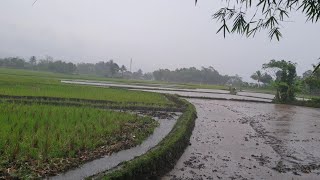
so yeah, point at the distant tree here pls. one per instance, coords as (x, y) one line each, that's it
(123, 69)
(312, 80)
(148, 76)
(235, 81)
(307, 74)
(266, 78)
(33, 61)
(285, 79)
(13, 62)
(138, 74)
(191, 75)
(113, 67)
(257, 77)
(248, 17)
(86, 68)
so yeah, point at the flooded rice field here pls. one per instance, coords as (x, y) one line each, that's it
(214, 95)
(247, 140)
(208, 93)
(142, 86)
(241, 140)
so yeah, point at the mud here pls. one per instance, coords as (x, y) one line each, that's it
(239, 140)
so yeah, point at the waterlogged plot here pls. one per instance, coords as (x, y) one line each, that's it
(40, 140)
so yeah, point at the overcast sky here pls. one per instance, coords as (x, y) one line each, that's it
(155, 33)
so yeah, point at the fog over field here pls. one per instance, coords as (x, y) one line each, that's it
(156, 34)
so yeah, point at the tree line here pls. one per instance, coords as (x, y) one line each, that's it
(102, 68)
(205, 75)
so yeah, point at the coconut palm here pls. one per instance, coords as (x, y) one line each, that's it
(257, 76)
(123, 69)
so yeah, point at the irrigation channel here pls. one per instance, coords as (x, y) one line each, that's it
(246, 137)
(105, 163)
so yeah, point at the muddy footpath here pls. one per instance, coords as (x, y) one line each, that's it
(242, 140)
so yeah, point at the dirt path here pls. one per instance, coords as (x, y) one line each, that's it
(240, 140)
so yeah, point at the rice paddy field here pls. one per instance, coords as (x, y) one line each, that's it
(42, 138)
(20, 83)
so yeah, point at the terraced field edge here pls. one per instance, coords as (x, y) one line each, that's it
(163, 157)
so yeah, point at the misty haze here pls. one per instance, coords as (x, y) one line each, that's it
(173, 90)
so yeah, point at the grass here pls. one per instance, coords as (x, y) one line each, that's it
(29, 83)
(50, 132)
(30, 73)
(33, 137)
(58, 76)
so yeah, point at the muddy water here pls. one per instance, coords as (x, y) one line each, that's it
(214, 95)
(253, 94)
(108, 162)
(142, 86)
(211, 93)
(241, 140)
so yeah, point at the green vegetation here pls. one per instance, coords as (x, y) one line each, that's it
(35, 136)
(286, 79)
(287, 86)
(28, 83)
(264, 78)
(205, 75)
(312, 80)
(248, 17)
(48, 127)
(162, 158)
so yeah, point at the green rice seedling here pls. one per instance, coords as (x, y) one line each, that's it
(50, 86)
(32, 136)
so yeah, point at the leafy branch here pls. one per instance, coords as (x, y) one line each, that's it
(247, 17)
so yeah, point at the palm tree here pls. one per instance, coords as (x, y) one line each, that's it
(257, 76)
(123, 69)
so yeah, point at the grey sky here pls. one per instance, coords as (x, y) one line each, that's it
(155, 33)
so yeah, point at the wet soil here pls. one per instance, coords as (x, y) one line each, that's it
(241, 140)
